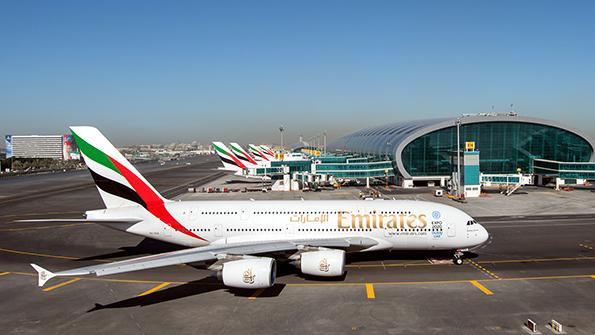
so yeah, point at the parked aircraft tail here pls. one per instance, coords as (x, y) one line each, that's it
(230, 161)
(118, 181)
(242, 154)
(258, 153)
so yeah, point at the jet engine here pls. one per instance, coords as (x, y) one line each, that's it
(250, 273)
(324, 263)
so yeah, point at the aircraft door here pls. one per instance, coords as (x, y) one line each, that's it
(451, 229)
(244, 215)
(218, 230)
(193, 215)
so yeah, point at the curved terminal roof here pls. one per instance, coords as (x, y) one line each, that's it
(389, 140)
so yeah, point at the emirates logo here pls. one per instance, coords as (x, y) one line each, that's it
(248, 277)
(324, 265)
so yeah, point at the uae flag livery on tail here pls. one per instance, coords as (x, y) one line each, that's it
(230, 161)
(257, 152)
(242, 154)
(118, 182)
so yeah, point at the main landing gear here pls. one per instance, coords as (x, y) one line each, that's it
(457, 258)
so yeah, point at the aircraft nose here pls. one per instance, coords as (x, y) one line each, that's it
(483, 235)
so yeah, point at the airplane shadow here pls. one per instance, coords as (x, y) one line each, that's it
(145, 247)
(271, 292)
(201, 286)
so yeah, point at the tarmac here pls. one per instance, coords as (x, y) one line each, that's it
(538, 264)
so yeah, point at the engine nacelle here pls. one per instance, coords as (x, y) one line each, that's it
(324, 263)
(250, 273)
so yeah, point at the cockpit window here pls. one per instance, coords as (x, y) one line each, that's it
(471, 222)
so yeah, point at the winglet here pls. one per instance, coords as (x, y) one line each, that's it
(44, 275)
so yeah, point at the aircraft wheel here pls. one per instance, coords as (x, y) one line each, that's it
(457, 261)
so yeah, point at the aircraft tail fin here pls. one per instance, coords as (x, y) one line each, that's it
(257, 152)
(118, 181)
(230, 161)
(267, 151)
(242, 154)
(43, 275)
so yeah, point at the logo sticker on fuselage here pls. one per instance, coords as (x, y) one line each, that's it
(436, 229)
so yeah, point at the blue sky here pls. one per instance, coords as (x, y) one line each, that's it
(164, 71)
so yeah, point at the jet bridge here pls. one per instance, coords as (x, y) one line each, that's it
(564, 173)
(506, 183)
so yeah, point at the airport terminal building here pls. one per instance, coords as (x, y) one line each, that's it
(58, 147)
(422, 150)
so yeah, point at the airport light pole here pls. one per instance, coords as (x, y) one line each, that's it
(281, 130)
(324, 134)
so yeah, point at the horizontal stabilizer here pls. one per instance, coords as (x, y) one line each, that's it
(43, 274)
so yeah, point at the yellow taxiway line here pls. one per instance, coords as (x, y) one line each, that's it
(46, 227)
(36, 254)
(39, 214)
(482, 269)
(51, 288)
(256, 294)
(454, 281)
(28, 253)
(384, 265)
(528, 260)
(4, 273)
(433, 282)
(481, 287)
(370, 291)
(156, 288)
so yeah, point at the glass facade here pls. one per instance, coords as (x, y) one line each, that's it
(331, 159)
(565, 170)
(380, 142)
(506, 142)
(294, 166)
(338, 170)
(357, 170)
(504, 147)
(357, 160)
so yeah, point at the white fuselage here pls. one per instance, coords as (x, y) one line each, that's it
(393, 224)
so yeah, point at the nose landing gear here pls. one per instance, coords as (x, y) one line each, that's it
(457, 257)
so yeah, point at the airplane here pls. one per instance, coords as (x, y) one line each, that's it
(259, 154)
(244, 156)
(240, 163)
(242, 240)
(231, 162)
(268, 152)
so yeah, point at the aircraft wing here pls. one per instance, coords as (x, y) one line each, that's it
(199, 254)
